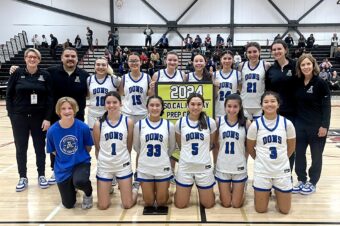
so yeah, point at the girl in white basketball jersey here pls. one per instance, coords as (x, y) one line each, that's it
(113, 141)
(195, 134)
(226, 81)
(154, 140)
(200, 74)
(99, 85)
(135, 89)
(271, 141)
(231, 163)
(253, 74)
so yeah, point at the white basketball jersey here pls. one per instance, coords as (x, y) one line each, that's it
(195, 146)
(135, 94)
(252, 84)
(164, 77)
(98, 89)
(231, 156)
(154, 140)
(271, 149)
(113, 153)
(228, 85)
(193, 78)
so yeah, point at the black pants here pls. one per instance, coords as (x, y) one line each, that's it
(307, 135)
(23, 125)
(79, 179)
(148, 40)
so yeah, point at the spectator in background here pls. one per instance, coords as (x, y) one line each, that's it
(289, 41)
(77, 42)
(110, 42)
(301, 42)
(67, 44)
(237, 60)
(36, 41)
(324, 74)
(334, 45)
(278, 36)
(89, 36)
(144, 58)
(164, 42)
(219, 42)
(198, 42)
(148, 32)
(207, 41)
(154, 57)
(108, 56)
(44, 42)
(229, 41)
(310, 41)
(334, 82)
(188, 42)
(118, 55)
(53, 47)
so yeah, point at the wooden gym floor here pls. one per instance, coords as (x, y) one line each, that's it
(35, 206)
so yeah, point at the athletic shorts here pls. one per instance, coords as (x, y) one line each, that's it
(145, 177)
(204, 180)
(108, 176)
(230, 177)
(283, 184)
(252, 113)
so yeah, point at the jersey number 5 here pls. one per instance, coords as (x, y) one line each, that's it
(194, 148)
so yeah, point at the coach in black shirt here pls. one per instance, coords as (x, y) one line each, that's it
(312, 122)
(29, 103)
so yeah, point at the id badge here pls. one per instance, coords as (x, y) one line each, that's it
(34, 98)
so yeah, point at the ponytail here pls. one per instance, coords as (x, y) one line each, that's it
(103, 118)
(202, 121)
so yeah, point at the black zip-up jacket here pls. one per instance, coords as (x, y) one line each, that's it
(21, 85)
(314, 103)
(73, 85)
(284, 82)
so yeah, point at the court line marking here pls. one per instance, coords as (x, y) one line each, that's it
(52, 214)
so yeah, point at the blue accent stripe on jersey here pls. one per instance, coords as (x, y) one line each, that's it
(126, 122)
(168, 125)
(183, 185)
(264, 66)
(262, 189)
(173, 76)
(103, 179)
(283, 191)
(100, 83)
(208, 122)
(159, 74)
(253, 69)
(193, 127)
(228, 76)
(140, 125)
(117, 124)
(124, 177)
(226, 121)
(90, 80)
(135, 81)
(238, 81)
(257, 124)
(180, 124)
(196, 78)
(219, 122)
(206, 187)
(285, 122)
(276, 124)
(114, 85)
(180, 72)
(148, 123)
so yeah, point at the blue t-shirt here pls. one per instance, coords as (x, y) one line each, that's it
(70, 147)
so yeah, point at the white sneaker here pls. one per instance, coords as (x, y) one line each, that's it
(43, 183)
(22, 184)
(298, 187)
(87, 202)
(135, 185)
(52, 180)
(308, 189)
(114, 181)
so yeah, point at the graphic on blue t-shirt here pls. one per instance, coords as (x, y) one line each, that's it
(68, 144)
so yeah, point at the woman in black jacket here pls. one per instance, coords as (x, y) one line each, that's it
(29, 104)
